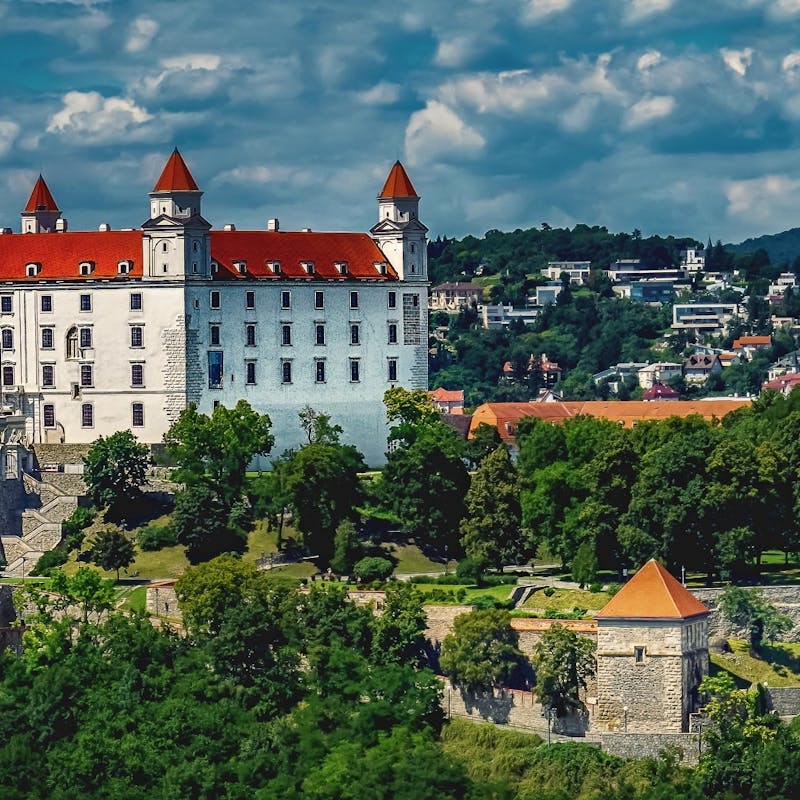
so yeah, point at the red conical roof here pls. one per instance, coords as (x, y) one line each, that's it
(652, 593)
(176, 176)
(398, 184)
(41, 199)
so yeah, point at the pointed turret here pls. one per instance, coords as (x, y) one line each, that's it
(40, 212)
(398, 184)
(175, 177)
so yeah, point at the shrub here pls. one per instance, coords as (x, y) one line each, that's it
(595, 587)
(50, 560)
(548, 591)
(372, 569)
(73, 526)
(155, 537)
(613, 588)
(471, 569)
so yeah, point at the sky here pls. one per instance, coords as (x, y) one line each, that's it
(671, 116)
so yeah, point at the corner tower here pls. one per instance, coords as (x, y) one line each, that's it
(175, 239)
(652, 653)
(41, 213)
(398, 232)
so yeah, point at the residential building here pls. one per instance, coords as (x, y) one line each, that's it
(547, 294)
(453, 297)
(659, 372)
(501, 316)
(448, 401)
(698, 366)
(703, 317)
(693, 259)
(784, 384)
(659, 391)
(578, 271)
(748, 346)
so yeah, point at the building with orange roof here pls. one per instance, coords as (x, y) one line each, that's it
(749, 345)
(652, 654)
(109, 330)
(448, 401)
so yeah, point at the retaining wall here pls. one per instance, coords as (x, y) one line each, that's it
(651, 745)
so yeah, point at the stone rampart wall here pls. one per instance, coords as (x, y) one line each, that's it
(60, 453)
(67, 483)
(12, 501)
(785, 700)
(651, 745)
(162, 601)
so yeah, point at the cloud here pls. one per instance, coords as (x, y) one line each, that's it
(381, 94)
(782, 9)
(758, 196)
(438, 132)
(8, 133)
(536, 10)
(648, 60)
(640, 9)
(140, 34)
(648, 110)
(94, 118)
(737, 60)
(453, 52)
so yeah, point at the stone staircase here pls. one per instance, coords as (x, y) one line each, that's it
(41, 526)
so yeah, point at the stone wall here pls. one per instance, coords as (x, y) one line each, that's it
(162, 601)
(60, 453)
(63, 482)
(12, 501)
(651, 745)
(785, 700)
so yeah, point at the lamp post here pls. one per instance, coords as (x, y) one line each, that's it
(625, 718)
(549, 714)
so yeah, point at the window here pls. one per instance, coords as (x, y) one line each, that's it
(392, 369)
(47, 338)
(46, 303)
(286, 371)
(48, 376)
(214, 299)
(85, 302)
(355, 370)
(286, 334)
(86, 337)
(250, 372)
(353, 299)
(87, 415)
(392, 333)
(87, 375)
(136, 301)
(213, 335)
(72, 343)
(391, 299)
(86, 267)
(49, 415)
(319, 333)
(137, 374)
(6, 306)
(8, 376)
(412, 247)
(319, 299)
(249, 300)
(137, 336)
(215, 369)
(7, 339)
(250, 335)
(319, 371)
(137, 415)
(164, 248)
(638, 655)
(355, 334)
(32, 270)
(286, 299)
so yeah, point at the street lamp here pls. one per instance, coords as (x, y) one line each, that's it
(549, 714)
(625, 718)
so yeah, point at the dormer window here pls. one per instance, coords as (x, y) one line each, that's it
(86, 268)
(308, 267)
(214, 267)
(380, 266)
(240, 267)
(341, 267)
(124, 267)
(33, 269)
(274, 267)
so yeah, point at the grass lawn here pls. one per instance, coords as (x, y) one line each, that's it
(410, 558)
(302, 569)
(472, 592)
(778, 666)
(134, 599)
(566, 600)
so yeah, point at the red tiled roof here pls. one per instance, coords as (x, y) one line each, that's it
(658, 391)
(448, 395)
(783, 382)
(652, 593)
(398, 184)
(752, 341)
(175, 176)
(41, 199)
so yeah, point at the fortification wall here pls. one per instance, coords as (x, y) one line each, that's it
(650, 745)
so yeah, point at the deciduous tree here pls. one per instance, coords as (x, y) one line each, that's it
(115, 469)
(112, 549)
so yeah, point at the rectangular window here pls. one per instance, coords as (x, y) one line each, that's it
(250, 300)
(86, 337)
(353, 299)
(137, 415)
(319, 371)
(286, 299)
(392, 333)
(8, 376)
(250, 335)
(49, 415)
(250, 372)
(319, 333)
(638, 655)
(355, 370)
(87, 415)
(47, 338)
(6, 305)
(136, 301)
(214, 299)
(137, 374)
(46, 303)
(7, 339)
(355, 334)
(215, 369)
(213, 335)
(286, 371)
(392, 369)
(48, 376)
(319, 299)
(85, 302)
(286, 334)
(391, 299)
(137, 336)
(87, 375)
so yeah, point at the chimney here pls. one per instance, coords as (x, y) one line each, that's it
(273, 225)
(229, 227)
(104, 227)
(61, 225)
(5, 231)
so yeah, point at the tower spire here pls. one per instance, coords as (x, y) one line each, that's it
(41, 211)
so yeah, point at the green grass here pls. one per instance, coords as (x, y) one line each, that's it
(135, 598)
(302, 569)
(410, 558)
(566, 600)
(472, 592)
(777, 665)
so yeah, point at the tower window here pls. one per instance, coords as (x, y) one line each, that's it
(250, 372)
(286, 334)
(7, 338)
(137, 374)
(355, 370)
(49, 415)
(286, 299)
(8, 376)
(319, 300)
(213, 335)
(86, 337)
(137, 415)
(286, 371)
(355, 334)
(214, 299)
(250, 300)
(392, 333)
(391, 299)
(392, 369)
(353, 299)
(87, 415)
(47, 303)
(638, 655)
(136, 301)
(164, 248)
(319, 333)
(85, 302)
(47, 338)
(319, 371)
(6, 305)
(137, 336)
(87, 375)
(48, 376)
(250, 335)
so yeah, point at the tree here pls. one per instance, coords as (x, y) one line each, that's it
(490, 529)
(399, 630)
(112, 549)
(114, 470)
(373, 568)
(482, 651)
(347, 548)
(409, 411)
(484, 441)
(564, 661)
(748, 608)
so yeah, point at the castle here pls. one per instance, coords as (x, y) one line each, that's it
(111, 330)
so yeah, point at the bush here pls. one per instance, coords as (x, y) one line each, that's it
(595, 587)
(499, 580)
(548, 591)
(50, 560)
(471, 570)
(373, 569)
(613, 588)
(73, 526)
(155, 537)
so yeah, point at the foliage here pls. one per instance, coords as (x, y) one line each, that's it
(749, 609)
(156, 537)
(51, 559)
(347, 548)
(112, 550)
(114, 470)
(73, 526)
(470, 570)
(482, 651)
(399, 630)
(372, 568)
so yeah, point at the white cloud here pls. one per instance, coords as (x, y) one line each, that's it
(639, 9)
(763, 199)
(141, 32)
(784, 8)
(187, 61)
(648, 60)
(649, 109)
(381, 94)
(8, 133)
(579, 117)
(94, 118)
(436, 132)
(737, 60)
(189, 75)
(453, 52)
(540, 9)
(791, 64)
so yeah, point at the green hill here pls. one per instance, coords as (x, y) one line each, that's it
(781, 247)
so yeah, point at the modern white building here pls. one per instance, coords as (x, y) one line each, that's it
(109, 330)
(578, 271)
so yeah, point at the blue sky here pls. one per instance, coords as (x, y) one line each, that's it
(673, 116)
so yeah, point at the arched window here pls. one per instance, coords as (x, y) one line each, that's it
(72, 343)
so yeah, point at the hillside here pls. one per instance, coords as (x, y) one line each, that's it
(781, 247)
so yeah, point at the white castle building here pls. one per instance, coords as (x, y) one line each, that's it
(112, 330)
